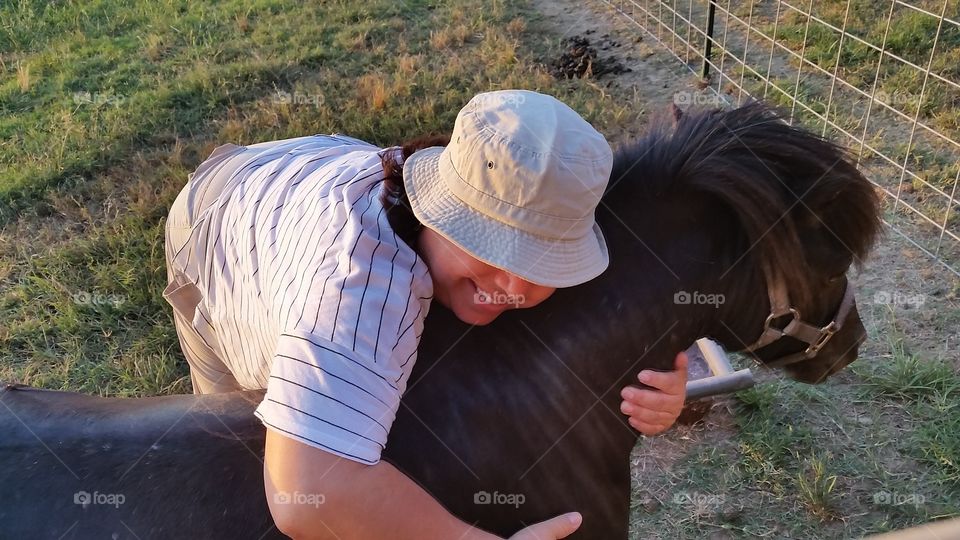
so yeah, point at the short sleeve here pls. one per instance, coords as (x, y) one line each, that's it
(324, 395)
(349, 342)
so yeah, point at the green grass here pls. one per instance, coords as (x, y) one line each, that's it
(816, 488)
(106, 107)
(929, 392)
(843, 460)
(874, 450)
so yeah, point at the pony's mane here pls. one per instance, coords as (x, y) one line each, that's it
(777, 179)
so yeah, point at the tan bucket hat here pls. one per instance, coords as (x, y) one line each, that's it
(517, 187)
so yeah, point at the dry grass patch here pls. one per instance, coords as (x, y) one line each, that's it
(372, 90)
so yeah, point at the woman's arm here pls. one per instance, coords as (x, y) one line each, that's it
(314, 494)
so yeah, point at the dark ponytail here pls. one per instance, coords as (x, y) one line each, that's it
(394, 195)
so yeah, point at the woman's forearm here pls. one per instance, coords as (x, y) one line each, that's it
(386, 503)
(313, 494)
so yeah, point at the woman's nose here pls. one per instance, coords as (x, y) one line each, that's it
(512, 284)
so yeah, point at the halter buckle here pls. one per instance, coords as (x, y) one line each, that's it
(826, 333)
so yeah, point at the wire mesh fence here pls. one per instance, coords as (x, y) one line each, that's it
(880, 77)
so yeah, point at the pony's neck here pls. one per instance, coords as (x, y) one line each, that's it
(733, 297)
(739, 319)
(691, 276)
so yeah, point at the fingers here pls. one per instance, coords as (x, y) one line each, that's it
(681, 361)
(651, 411)
(654, 410)
(671, 382)
(656, 400)
(559, 527)
(647, 428)
(651, 399)
(650, 416)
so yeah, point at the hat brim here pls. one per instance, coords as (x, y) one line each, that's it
(539, 260)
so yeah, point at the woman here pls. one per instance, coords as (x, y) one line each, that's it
(306, 266)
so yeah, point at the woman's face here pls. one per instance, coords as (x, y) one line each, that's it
(475, 291)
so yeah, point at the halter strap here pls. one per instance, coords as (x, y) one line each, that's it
(815, 337)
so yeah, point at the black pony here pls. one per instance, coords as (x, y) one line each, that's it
(729, 224)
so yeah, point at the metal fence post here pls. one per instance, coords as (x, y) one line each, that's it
(708, 45)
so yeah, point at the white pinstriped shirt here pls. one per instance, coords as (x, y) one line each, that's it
(309, 293)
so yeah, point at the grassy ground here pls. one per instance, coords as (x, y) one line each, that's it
(105, 107)
(877, 449)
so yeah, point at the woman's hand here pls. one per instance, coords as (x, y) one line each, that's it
(652, 411)
(561, 526)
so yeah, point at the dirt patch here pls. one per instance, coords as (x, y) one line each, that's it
(579, 59)
(650, 75)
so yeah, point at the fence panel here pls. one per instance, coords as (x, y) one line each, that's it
(880, 77)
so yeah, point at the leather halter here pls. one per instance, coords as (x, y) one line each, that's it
(815, 337)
